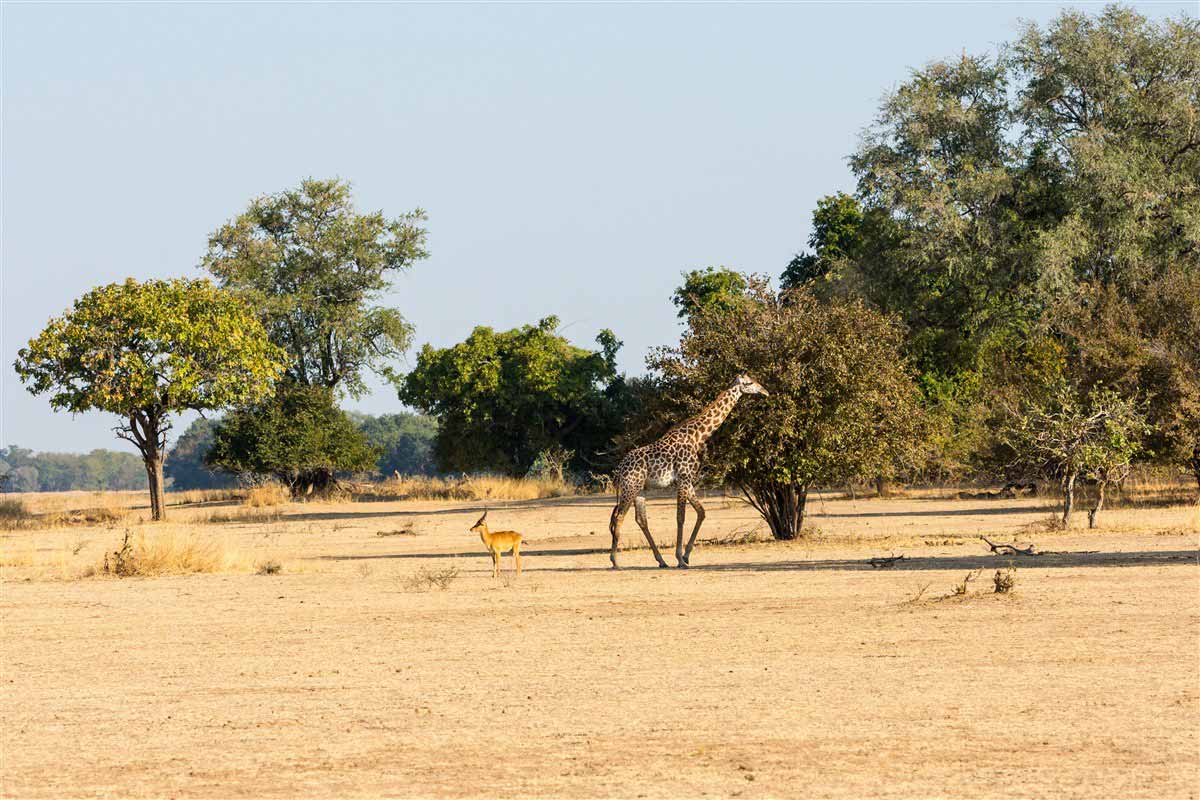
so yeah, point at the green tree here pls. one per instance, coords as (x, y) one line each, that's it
(842, 405)
(146, 351)
(404, 441)
(1070, 434)
(315, 269)
(185, 466)
(1110, 102)
(711, 287)
(298, 436)
(502, 397)
(837, 235)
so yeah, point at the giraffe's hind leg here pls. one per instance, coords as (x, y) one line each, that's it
(695, 501)
(644, 524)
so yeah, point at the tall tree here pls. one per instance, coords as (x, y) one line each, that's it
(502, 397)
(315, 269)
(842, 403)
(146, 351)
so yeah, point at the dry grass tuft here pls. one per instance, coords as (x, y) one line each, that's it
(14, 515)
(425, 579)
(265, 496)
(243, 515)
(172, 552)
(269, 567)
(191, 497)
(471, 487)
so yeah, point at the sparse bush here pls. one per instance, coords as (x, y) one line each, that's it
(425, 579)
(14, 515)
(1005, 580)
(269, 567)
(960, 588)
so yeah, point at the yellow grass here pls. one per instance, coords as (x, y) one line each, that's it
(472, 487)
(180, 551)
(268, 494)
(195, 496)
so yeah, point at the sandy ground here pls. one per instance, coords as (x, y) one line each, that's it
(767, 670)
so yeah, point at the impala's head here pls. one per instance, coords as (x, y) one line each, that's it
(750, 386)
(480, 525)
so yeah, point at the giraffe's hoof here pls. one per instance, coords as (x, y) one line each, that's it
(663, 565)
(683, 564)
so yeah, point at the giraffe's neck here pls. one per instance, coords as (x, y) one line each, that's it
(708, 420)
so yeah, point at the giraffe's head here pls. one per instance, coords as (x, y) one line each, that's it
(750, 386)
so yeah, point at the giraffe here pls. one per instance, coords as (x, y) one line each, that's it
(675, 458)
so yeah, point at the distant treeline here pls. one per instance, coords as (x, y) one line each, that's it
(22, 470)
(404, 442)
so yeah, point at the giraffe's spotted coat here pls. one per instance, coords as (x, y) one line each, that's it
(675, 458)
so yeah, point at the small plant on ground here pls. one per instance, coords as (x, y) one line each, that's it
(919, 592)
(960, 588)
(269, 567)
(1005, 580)
(426, 579)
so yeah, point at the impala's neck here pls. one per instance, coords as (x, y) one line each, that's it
(484, 533)
(708, 420)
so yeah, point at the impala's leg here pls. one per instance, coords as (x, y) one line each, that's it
(695, 501)
(496, 563)
(640, 513)
(517, 557)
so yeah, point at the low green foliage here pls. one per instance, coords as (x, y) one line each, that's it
(298, 436)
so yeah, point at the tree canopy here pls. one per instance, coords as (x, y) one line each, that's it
(711, 287)
(842, 402)
(502, 397)
(298, 436)
(315, 269)
(146, 351)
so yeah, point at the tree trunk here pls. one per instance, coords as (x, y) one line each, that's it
(1068, 485)
(1094, 510)
(1196, 465)
(781, 505)
(880, 486)
(319, 480)
(154, 476)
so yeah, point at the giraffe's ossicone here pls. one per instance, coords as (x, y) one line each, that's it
(675, 458)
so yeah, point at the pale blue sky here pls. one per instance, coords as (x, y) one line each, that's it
(573, 159)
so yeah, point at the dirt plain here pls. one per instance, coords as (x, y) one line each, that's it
(767, 670)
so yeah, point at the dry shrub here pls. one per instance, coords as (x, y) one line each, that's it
(268, 494)
(425, 579)
(470, 487)
(1005, 580)
(14, 515)
(172, 552)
